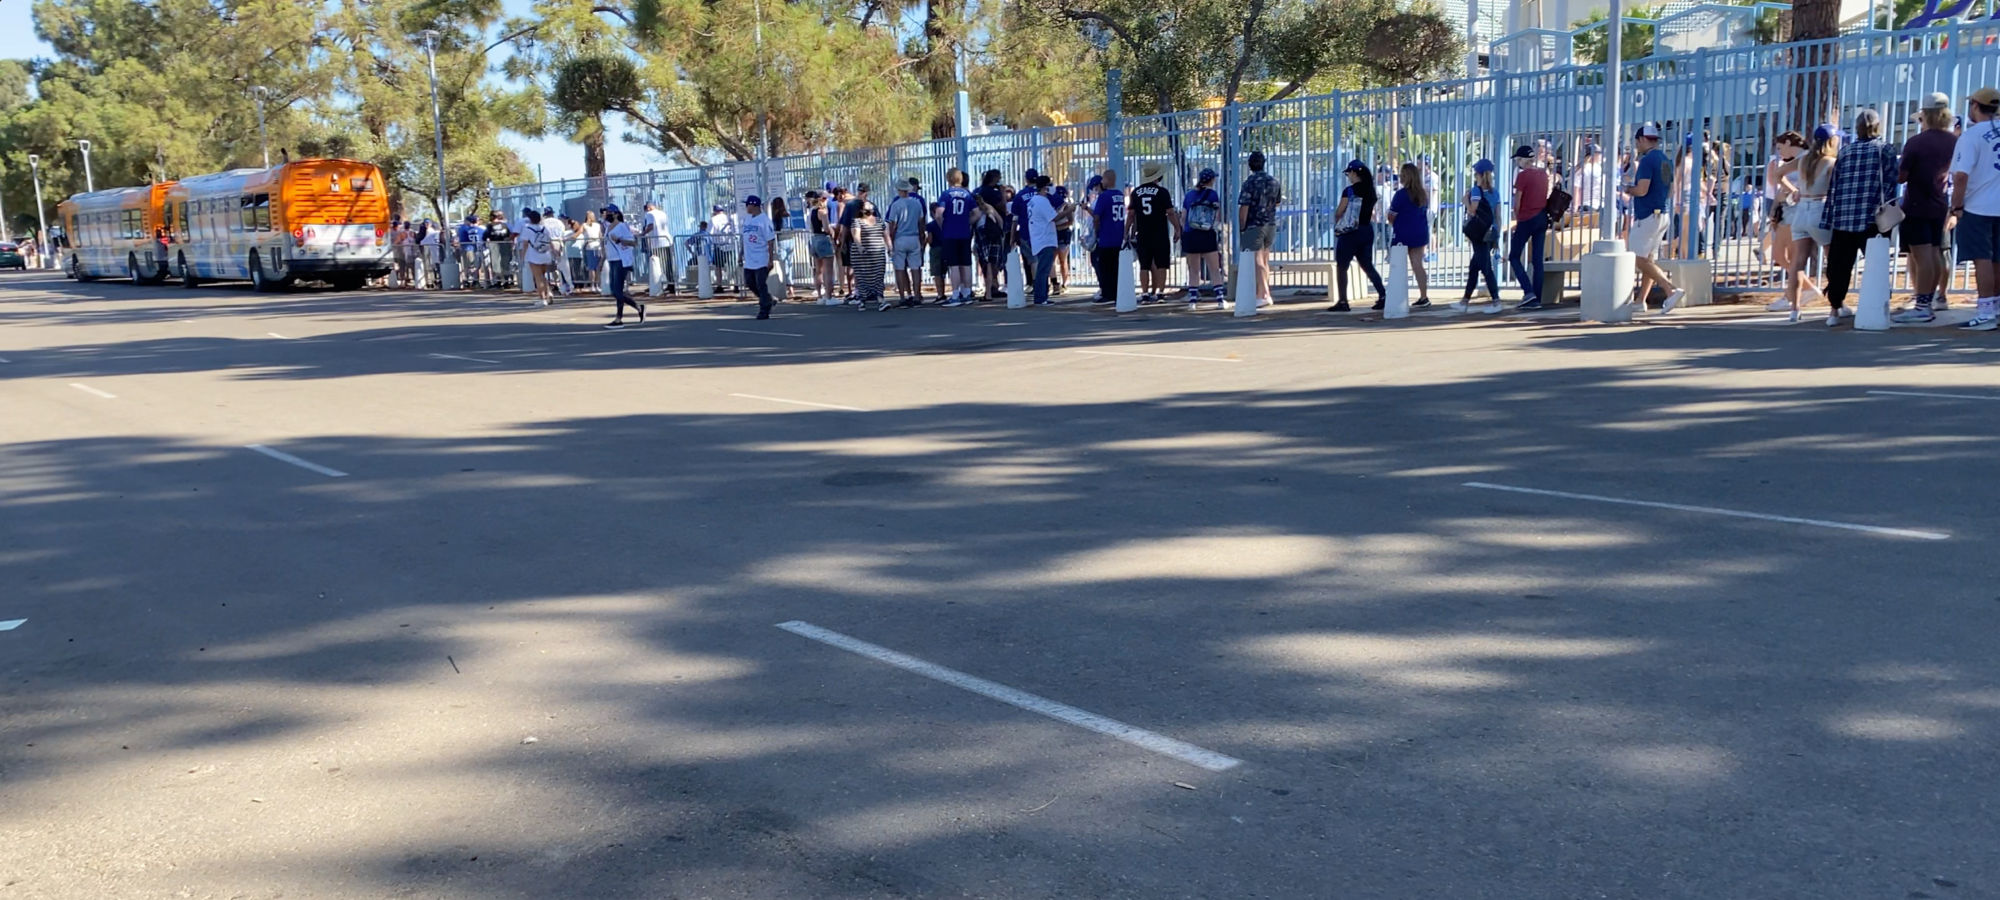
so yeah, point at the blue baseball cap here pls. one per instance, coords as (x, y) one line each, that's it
(1030, 175)
(1355, 165)
(613, 208)
(832, 186)
(1483, 166)
(753, 200)
(1096, 181)
(1206, 174)
(1826, 132)
(717, 208)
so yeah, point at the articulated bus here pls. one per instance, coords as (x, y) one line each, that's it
(115, 232)
(326, 219)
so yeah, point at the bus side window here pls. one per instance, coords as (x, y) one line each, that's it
(246, 220)
(263, 209)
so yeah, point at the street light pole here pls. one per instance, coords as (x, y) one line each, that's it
(89, 185)
(448, 265)
(263, 140)
(1614, 74)
(42, 238)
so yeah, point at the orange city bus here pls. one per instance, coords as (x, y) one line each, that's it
(115, 232)
(324, 219)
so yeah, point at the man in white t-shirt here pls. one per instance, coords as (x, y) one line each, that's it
(722, 247)
(659, 251)
(758, 237)
(1975, 202)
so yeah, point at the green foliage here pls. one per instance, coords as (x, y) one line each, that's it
(1634, 42)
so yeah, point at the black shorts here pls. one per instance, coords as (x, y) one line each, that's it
(1196, 241)
(993, 253)
(957, 251)
(1065, 236)
(1154, 251)
(1922, 232)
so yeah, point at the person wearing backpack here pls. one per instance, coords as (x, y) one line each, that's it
(1201, 245)
(538, 251)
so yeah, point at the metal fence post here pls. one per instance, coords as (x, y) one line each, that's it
(1232, 181)
(1697, 125)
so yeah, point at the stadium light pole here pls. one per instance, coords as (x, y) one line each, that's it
(89, 185)
(263, 140)
(42, 237)
(448, 266)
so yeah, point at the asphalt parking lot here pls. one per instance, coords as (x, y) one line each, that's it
(384, 594)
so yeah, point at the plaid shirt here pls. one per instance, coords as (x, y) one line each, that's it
(1864, 177)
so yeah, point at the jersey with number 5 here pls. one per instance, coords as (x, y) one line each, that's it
(958, 208)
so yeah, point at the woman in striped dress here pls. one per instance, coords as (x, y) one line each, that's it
(870, 255)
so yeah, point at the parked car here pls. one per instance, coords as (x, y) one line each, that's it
(10, 256)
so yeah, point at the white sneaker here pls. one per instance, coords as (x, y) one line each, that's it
(1778, 305)
(1461, 307)
(1494, 308)
(1673, 300)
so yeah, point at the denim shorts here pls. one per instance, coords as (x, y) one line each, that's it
(1978, 237)
(1259, 237)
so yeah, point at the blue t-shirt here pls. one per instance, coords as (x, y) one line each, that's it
(1413, 222)
(1110, 215)
(958, 208)
(1019, 210)
(1652, 166)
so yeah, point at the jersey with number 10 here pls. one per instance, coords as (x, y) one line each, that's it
(958, 207)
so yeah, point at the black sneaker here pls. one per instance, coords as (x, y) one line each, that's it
(1422, 303)
(642, 313)
(1340, 307)
(615, 323)
(1380, 305)
(1104, 301)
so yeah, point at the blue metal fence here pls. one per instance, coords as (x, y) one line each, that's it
(1740, 97)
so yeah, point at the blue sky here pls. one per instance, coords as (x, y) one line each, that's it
(557, 157)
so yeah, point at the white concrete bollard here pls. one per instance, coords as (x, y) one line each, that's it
(1396, 298)
(704, 280)
(653, 273)
(1128, 293)
(1246, 283)
(1606, 282)
(1871, 311)
(1017, 280)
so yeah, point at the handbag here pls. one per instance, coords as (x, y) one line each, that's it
(1479, 225)
(1350, 220)
(1888, 216)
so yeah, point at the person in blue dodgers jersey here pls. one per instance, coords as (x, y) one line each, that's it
(1201, 242)
(1107, 218)
(1410, 228)
(958, 215)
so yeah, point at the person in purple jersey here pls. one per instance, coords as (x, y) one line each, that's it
(1107, 217)
(958, 213)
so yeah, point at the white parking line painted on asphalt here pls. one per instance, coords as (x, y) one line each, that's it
(466, 358)
(1158, 356)
(1137, 737)
(800, 402)
(93, 391)
(282, 456)
(12, 624)
(1933, 394)
(5, 360)
(777, 333)
(279, 336)
(1712, 510)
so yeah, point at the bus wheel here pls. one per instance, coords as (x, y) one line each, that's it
(258, 280)
(187, 273)
(76, 270)
(132, 269)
